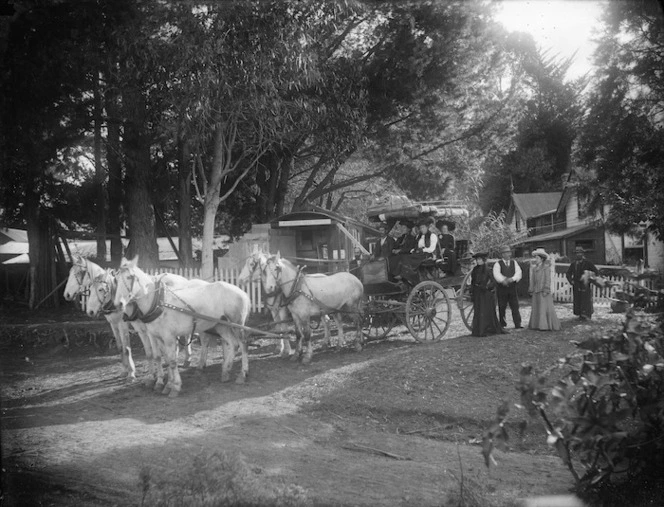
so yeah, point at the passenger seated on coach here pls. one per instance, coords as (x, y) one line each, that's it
(446, 253)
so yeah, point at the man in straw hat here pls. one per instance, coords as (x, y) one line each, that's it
(507, 274)
(582, 292)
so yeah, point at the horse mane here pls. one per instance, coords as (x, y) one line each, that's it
(94, 269)
(289, 263)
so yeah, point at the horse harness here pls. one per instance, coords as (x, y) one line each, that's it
(297, 290)
(158, 305)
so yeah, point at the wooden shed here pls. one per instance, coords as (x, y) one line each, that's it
(324, 241)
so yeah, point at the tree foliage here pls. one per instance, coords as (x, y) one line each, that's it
(550, 109)
(622, 140)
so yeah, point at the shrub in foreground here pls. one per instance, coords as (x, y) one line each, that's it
(605, 416)
(216, 479)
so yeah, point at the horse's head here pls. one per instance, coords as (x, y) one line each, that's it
(271, 274)
(131, 283)
(252, 268)
(101, 295)
(78, 280)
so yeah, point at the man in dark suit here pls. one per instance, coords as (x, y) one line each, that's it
(582, 290)
(385, 245)
(507, 274)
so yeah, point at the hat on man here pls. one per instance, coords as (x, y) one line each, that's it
(579, 249)
(505, 249)
(541, 253)
(425, 221)
(482, 255)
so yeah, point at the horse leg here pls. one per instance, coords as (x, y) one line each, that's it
(205, 345)
(121, 335)
(325, 321)
(126, 352)
(341, 339)
(228, 348)
(306, 338)
(187, 352)
(298, 340)
(244, 372)
(174, 384)
(149, 355)
(158, 356)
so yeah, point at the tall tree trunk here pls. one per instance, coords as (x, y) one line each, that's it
(142, 237)
(114, 165)
(100, 176)
(282, 190)
(212, 200)
(184, 202)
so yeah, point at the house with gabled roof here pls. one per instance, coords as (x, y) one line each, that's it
(570, 224)
(534, 212)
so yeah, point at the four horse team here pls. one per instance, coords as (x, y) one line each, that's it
(165, 308)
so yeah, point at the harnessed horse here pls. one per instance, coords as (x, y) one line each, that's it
(308, 296)
(251, 270)
(172, 311)
(81, 276)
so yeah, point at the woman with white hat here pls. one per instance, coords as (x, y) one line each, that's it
(543, 314)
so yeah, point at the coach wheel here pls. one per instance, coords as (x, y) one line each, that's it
(378, 319)
(465, 302)
(428, 311)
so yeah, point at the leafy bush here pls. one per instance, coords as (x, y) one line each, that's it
(492, 233)
(605, 416)
(216, 479)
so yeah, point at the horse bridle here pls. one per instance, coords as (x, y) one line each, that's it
(107, 306)
(82, 271)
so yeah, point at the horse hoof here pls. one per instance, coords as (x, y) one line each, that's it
(131, 379)
(225, 377)
(174, 393)
(359, 347)
(149, 383)
(306, 359)
(240, 379)
(166, 390)
(186, 364)
(158, 386)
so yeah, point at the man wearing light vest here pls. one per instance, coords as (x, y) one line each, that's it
(507, 274)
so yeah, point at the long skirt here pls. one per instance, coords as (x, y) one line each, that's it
(485, 320)
(543, 314)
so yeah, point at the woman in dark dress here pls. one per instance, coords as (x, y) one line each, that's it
(485, 320)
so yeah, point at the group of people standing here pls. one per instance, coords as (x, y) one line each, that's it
(500, 283)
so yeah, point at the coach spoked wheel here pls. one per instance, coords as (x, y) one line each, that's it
(378, 319)
(465, 302)
(428, 311)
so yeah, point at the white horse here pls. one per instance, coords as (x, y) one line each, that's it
(81, 275)
(308, 296)
(169, 312)
(274, 302)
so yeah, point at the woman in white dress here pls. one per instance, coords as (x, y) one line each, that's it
(543, 314)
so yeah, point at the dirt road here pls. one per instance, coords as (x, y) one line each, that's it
(394, 425)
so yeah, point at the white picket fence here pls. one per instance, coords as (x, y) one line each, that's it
(563, 290)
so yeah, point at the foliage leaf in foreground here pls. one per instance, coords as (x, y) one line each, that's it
(605, 416)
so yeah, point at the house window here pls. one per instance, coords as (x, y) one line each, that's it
(583, 202)
(587, 244)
